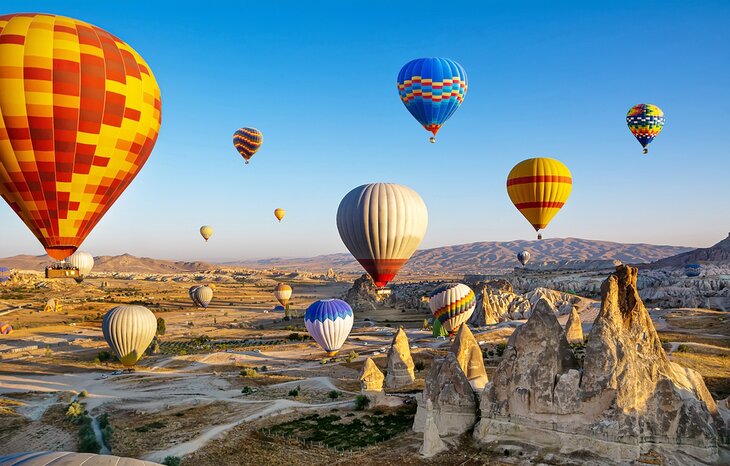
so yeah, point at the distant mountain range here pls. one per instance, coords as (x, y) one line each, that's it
(463, 258)
(719, 254)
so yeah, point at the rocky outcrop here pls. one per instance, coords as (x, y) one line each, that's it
(363, 295)
(371, 378)
(574, 329)
(432, 443)
(483, 313)
(469, 356)
(400, 363)
(628, 400)
(448, 398)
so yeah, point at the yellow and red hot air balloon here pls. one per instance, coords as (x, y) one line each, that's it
(539, 188)
(279, 213)
(80, 111)
(282, 292)
(206, 231)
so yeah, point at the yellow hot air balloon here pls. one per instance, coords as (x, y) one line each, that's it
(279, 213)
(282, 292)
(539, 188)
(206, 231)
(79, 115)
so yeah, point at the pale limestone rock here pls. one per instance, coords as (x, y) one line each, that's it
(573, 328)
(432, 443)
(400, 363)
(466, 349)
(371, 378)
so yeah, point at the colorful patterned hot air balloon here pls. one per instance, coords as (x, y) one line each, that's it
(247, 141)
(645, 122)
(206, 231)
(539, 188)
(79, 115)
(432, 89)
(381, 225)
(523, 257)
(84, 262)
(5, 328)
(279, 213)
(201, 296)
(452, 305)
(129, 329)
(329, 322)
(282, 292)
(692, 270)
(4, 274)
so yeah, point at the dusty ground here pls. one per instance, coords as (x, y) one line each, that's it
(187, 401)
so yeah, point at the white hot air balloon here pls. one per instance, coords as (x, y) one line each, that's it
(65, 458)
(329, 322)
(129, 330)
(202, 296)
(381, 225)
(83, 261)
(452, 304)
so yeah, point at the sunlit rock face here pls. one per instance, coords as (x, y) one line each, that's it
(400, 363)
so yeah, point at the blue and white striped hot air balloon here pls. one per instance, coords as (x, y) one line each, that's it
(329, 322)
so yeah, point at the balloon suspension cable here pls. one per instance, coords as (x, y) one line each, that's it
(432, 140)
(646, 151)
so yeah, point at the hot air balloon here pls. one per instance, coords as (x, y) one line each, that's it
(247, 141)
(279, 213)
(452, 304)
(129, 329)
(279, 309)
(191, 292)
(645, 122)
(282, 292)
(65, 458)
(81, 112)
(381, 225)
(206, 231)
(692, 270)
(202, 295)
(83, 261)
(4, 274)
(523, 257)
(432, 89)
(329, 322)
(5, 328)
(539, 188)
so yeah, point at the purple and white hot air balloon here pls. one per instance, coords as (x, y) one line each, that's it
(329, 322)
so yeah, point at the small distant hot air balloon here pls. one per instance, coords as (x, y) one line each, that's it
(206, 231)
(432, 89)
(692, 270)
(539, 188)
(523, 257)
(452, 304)
(129, 329)
(247, 141)
(81, 113)
(645, 122)
(282, 292)
(381, 225)
(279, 309)
(65, 458)
(4, 274)
(5, 328)
(329, 322)
(279, 213)
(201, 296)
(191, 292)
(83, 261)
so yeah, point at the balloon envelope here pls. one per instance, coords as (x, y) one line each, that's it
(432, 89)
(81, 112)
(283, 292)
(129, 329)
(452, 304)
(83, 261)
(5, 328)
(381, 225)
(539, 188)
(50, 458)
(693, 270)
(329, 322)
(247, 142)
(4, 274)
(523, 257)
(206, 231)
(279, 213)
(202, 296)
(645, 122)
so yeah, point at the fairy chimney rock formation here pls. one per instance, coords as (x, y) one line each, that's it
(432, 443)
(371, 378)
(573, 328)
(363, 295)
(483, 312)
(466, 349)
(400, 363)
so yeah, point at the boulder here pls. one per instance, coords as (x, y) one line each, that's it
(400, 363)
(573, 328)
(469, 356)
(371, 378)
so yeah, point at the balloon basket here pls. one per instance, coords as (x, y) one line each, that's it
(332, 353)
(432, 140)
(383, 291)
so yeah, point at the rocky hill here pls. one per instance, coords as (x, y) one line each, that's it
(718, 254)
(122, 263)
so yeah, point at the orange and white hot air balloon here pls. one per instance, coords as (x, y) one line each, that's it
(79, 115)
(279, 213)
(381, 225)
(283, 292)
(539, 188)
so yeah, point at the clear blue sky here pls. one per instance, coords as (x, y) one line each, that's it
(318, 79)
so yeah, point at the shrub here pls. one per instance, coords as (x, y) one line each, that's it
(419, 366)
(248, 372)
(334, 394)
(160, 326)
(294, 337)
(106, 434)
(104, 356)
(500, 349)
(75, 410)
(83, 394)
(294, 392)
(171, 461)
(352, 356)
(682, 348)
(264, 369)
(361, 402)
(247, 390)
(103, 420)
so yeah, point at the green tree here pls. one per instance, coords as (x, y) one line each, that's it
(160, 326)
